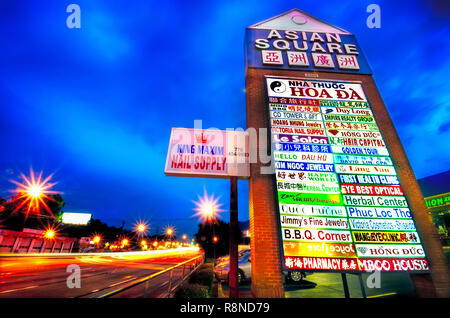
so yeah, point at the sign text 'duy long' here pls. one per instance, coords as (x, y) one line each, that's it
(340, 203)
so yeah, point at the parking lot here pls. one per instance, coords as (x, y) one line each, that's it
(329, 285)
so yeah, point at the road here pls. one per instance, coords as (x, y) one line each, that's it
(100, 273)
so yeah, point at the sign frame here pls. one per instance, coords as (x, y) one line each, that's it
(275, 190)
(240, 170)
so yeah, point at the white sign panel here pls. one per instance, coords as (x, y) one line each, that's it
(208, 153)
(76, 218)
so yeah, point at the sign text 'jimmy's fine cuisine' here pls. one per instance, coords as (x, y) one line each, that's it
(340, 202)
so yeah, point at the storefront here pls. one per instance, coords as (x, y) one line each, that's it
(436, 191)
(439, 207)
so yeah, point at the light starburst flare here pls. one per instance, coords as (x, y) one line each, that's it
(33, 192)
(50, 232)
(169, 231)
(141, 228)
(207, 207)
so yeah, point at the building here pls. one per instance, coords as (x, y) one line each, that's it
(436, 192)
(33, 241)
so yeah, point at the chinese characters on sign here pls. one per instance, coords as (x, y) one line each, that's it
(340, 203)
(289, 49)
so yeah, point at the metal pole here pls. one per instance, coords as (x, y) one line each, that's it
(213, 234)
(361, 283)
(233, 273)
(344, 282)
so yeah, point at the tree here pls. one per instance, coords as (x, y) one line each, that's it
(16, 217)
(206, 232)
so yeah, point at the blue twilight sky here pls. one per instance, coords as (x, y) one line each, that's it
(95, 105)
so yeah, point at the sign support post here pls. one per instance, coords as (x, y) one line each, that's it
(344, 282)
(361, 284)
(233, 273)
(211, 153)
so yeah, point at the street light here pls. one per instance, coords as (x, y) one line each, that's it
(124, 242)
(50, 234)
(141, 228)
(33, 192)
(169, 231)
(97, 239)
(207, 207)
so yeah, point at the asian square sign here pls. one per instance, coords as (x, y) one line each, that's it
(319, 46)
(341, 206)
(341, 195)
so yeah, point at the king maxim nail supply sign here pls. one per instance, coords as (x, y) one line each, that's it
(341, 205)
(208, 153)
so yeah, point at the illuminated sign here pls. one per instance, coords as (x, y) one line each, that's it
(207, 153)
(308, 187)
(306, 156)
(380, 151)
(363, 160)
(439, 201)
(317, 249)
(325, 48)
(297, 123)
(76, 218)
(306, 176)
(340, 203)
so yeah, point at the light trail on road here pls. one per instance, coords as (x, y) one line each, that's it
(46, 275)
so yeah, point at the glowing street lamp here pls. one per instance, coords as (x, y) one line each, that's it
(124, 242)
(33, 192)
(96, 239)
(207, 207)
(50, 232)
(141, 228)
(169, 231)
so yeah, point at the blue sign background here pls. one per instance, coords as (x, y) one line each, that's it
(254, 58)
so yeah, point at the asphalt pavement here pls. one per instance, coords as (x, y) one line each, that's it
(48, 276)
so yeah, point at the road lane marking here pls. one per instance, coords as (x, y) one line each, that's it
(382, 295)
(9, 264)
(13, 290)
(121, 282)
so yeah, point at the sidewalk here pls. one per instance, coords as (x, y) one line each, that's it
(223, 290)
(329, 285)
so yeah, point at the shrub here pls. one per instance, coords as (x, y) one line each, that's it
(187, 290)
(204, 275)
(199, 285)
